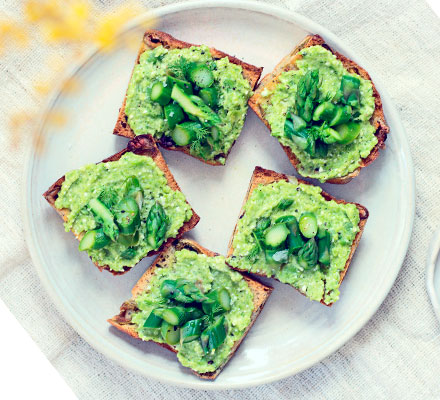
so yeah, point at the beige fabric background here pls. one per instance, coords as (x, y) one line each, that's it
(397, 354)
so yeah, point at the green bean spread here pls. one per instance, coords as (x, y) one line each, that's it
(197, 304)
(289, 231)
(125, 209)
(322, 113)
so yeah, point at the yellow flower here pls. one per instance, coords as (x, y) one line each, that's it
(70, 22)
(35, 10)
(11, 34)
(60, 20)
(109, 26)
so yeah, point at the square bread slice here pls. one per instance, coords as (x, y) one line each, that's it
(288, 63)
(153, 39)
(141, 145)
(122, 321)
(263, 176)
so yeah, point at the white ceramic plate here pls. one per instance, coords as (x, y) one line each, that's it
(433, 273)
(292, 333)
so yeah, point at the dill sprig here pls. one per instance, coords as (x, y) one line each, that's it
(201, 135)
(252, 255)
(180, 68)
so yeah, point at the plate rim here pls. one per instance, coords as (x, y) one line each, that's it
(110, 350)
(431, 267)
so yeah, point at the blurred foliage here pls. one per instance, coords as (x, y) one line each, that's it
(72, 23)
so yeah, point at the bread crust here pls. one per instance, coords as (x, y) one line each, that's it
(288, 63)
(122, 322)
(263, 176)
(141, 145)
(152, 39)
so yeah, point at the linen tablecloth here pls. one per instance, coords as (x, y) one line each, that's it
(397, 354)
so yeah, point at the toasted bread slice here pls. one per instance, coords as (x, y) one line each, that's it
(153, 39)
(288, 63)
(263, 176)
(141, 145)
(122, 320)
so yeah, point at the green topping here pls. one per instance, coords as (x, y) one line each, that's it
(350, 90)
(161, 93)
(307, 94)
(108, 197)
(170, 333)
(277, 256)
(193, 313)
(301, 254)
(218, 301)
(285, 204)
(133, 189)
(180, 67)
(128, 253)
(224, 299)
(205, 330)
(301, 138)
(127, 215)
(321, 149)
(220, 98)
(297, 123)
(174, 316)
(206, 116)
(181, 290)
(329, 135)
(209, 96)
(174, 114)
(184, 85)
(191, 290)
(323, 94)
(191, 330)
(153, 321)
(324, 243)
(295, 240)
(95, 239)
(308, 224)
(262, 224)
(213, 336)
(341, 116)
(186, 103)
(308, 254)
(104, 216)
(216, 134)
(324, 112)
(276, 235)
(129, 240)
(201, 76)
(168, 288)
(258, 233)
(157, 225)
(183, 134)
(348, 132)
(97, 194)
